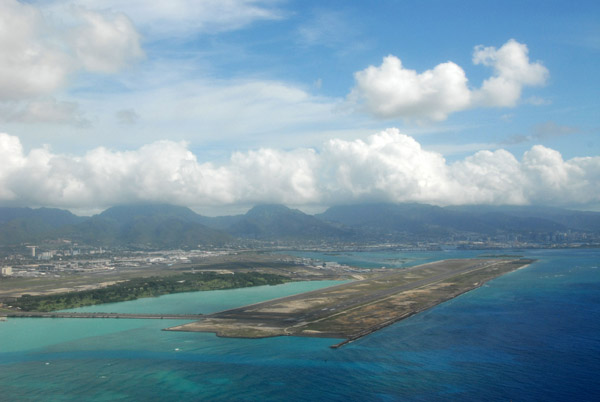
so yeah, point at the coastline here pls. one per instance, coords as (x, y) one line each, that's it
(356, 309)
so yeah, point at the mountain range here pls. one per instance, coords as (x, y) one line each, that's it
(168, 226)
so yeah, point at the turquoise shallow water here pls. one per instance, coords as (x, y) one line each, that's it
(207, 302)
(30, 334)
(533, 334)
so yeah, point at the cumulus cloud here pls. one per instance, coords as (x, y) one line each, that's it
(387, 166)
(11, 154)
(39, 52)
(391, 90)
(490, 178)
(512, 71)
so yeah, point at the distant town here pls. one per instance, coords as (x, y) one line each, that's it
(53, 242)
(52, 259)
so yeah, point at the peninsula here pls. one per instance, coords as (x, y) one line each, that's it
(352, 310)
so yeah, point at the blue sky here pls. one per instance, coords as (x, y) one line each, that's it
(219, 105)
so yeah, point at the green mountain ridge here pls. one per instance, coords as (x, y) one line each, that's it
(168, 226)
(432, 222)
(272, 222)
(20, 225)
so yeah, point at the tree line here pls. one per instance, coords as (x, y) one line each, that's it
(147, 287)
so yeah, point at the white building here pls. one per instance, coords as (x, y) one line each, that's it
(7, 271)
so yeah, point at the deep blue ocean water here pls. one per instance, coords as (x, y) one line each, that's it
(531, 335)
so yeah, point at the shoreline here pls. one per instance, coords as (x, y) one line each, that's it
(354, 310)
(398, 319)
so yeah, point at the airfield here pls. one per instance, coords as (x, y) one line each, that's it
(352, 310)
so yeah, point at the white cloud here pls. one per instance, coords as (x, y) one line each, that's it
(489, 178)
(269, 175)
(512, 71)
(40, 52)
(31, 63)
(106, 43)
(181, 18)
(394, 91)
(387, 166)
(222, 115)
(391, 90)
(202, 111)
(553, 178)
(11, 154)
(454, 149)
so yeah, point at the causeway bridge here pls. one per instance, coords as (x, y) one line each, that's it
(55, 314)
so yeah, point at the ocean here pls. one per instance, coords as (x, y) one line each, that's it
(530, 335)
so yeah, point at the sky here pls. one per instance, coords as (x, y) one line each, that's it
(219, 105)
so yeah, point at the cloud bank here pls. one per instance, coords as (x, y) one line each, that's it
(391, 90)
(387, 166)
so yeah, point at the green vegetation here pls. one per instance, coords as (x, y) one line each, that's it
(162, 227)
(147, 287)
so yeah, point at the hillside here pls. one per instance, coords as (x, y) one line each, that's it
(18, 225)
(274, 222)
(167, 226)
(431, 222)
(147, 226)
